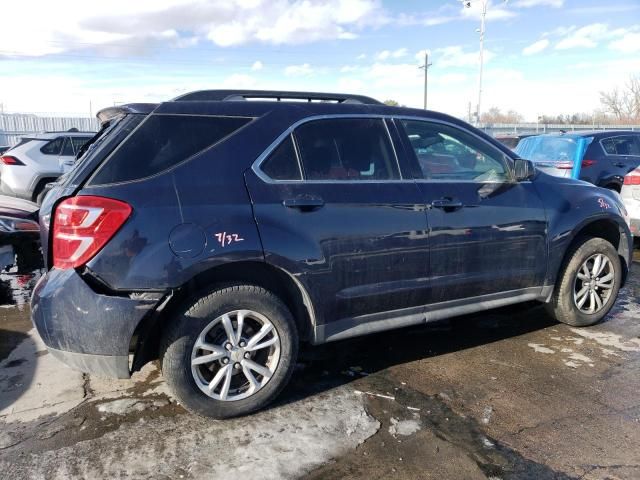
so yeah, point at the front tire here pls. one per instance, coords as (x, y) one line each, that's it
(588, 285)
(231, 352)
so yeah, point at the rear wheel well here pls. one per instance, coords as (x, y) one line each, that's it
(146, 338)
(40, 186)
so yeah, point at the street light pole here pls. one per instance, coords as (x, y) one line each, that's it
(482, 21)
(483, 14)
(426, 72)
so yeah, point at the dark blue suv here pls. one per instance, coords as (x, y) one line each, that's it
(220, 230)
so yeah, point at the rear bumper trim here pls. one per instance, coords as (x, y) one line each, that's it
(114, 366)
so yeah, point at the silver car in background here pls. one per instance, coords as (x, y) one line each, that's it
(37, 160)
(630, 194)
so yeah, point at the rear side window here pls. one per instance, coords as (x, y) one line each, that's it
(282, 164)
(54, 147)
(622, 145)
(163, 141)
(346, 149)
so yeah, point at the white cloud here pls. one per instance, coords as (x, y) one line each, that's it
(387, 54)
(584, 37)
(257, 65)
(349, 68)
(628, 43)
(304, 70)
(125, 26)
(362, 56)
(538, 3)
(536, 47)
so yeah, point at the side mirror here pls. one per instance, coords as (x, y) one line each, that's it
(524, 169)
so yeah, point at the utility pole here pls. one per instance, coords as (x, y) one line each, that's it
(426, 75)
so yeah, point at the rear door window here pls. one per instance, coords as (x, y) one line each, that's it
(163, 141)
(67, 149)
(54, 147)
(346, 149)
(282, 164)
(621, 145)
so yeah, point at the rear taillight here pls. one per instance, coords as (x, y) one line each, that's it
(82, 226)
(564, 165)
(633, 178)
(588, 163)
(10, 160)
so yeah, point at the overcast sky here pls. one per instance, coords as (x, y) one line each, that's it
(542, 56)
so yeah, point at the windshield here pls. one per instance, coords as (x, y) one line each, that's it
(539, 149)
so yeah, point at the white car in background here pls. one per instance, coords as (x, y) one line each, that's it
(631, 197)
(37, 160)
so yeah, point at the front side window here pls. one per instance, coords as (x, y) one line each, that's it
(346, 149)
(622, 145)
(54, 147)
(163, 141)
(448, 153)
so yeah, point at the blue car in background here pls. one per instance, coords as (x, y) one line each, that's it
(602, 158)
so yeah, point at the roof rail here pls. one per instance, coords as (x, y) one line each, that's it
(241, 95)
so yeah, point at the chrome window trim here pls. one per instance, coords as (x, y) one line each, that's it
(263, 156)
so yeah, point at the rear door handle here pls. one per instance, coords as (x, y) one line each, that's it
(447, 203)
(304, 203)
(620, 164)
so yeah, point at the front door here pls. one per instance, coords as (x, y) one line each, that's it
(487, 232)
(333, 210)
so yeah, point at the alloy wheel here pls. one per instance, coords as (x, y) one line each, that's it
(235, 355)
(594, 284)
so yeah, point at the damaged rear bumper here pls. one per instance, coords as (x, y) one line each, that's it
(88, 331)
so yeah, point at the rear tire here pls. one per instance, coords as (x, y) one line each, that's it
(588, 285)
(208, 356)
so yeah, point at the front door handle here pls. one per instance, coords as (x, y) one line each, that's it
(620, 164)
(447, 203)
(304, 203)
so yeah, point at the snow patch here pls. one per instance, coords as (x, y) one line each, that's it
(609, 339)
(540, 348)
(578, 357)
(403, 427)
(124, 406)
(283, 442)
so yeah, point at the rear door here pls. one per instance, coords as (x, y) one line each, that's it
(50, 155)
(487, 232)
(335, 208)
(623, 152)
